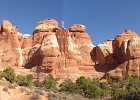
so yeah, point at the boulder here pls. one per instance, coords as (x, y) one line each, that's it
(77, 28)
(47, 25)
(103, 53)
(6, 26)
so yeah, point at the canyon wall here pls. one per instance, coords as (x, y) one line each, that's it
(68, 53)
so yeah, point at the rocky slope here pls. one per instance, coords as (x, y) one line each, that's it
(68, 53)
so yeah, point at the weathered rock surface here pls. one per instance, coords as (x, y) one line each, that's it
(64, 53)
(6, 26)
(122, 55)
(68, 53)
(132, 61)
(133, 48)
(77, 28)
(10, 47)
(126, 35)
(103, 53)
(47, 25)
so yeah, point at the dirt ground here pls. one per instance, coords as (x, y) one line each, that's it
(25, 94)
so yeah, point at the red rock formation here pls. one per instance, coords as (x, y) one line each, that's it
(62, 57)
(64, 53)
(6, 26)
(68, 53)
(124, 56)
(47, 25)
(126, 35)
(132, 62)
(77, 28)
(78, 34)
(27, 41)
(103, 54)
(10, 47)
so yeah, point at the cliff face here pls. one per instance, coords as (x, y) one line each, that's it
(64, 53)
(68, 53)
(118, 56)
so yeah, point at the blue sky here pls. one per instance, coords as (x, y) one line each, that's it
(104, 19)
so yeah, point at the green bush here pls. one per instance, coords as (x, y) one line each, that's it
(69, 86)
(104, 89)
(37, 83)
(49, 82)
(83, 83)
(20, 80)
(113, 80)
(133, 88)
(116, 93)
(9, 74)
(128, 89)
(90, 88)
(86, 87)
(24, 80)
(92, 91)
(1, 74)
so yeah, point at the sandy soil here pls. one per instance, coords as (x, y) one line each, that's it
(16, 94)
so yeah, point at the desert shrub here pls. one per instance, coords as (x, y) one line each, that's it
(90, 88)
(49, 82)
(35, 96)
(9, 74)
(115, 93)
(92, 91)
(37, 83)
(1, 74)
(130, 90)
(82, 82)
(86, 87)
(39, 91)
(133, 88)
(24, 80)
(20, 79)
(120, 94)
(69, 86)
(105, 89)
(113, 80)
(125, 88)
(52, 96)
(25, 90)
(6, 90)
(29, 79)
